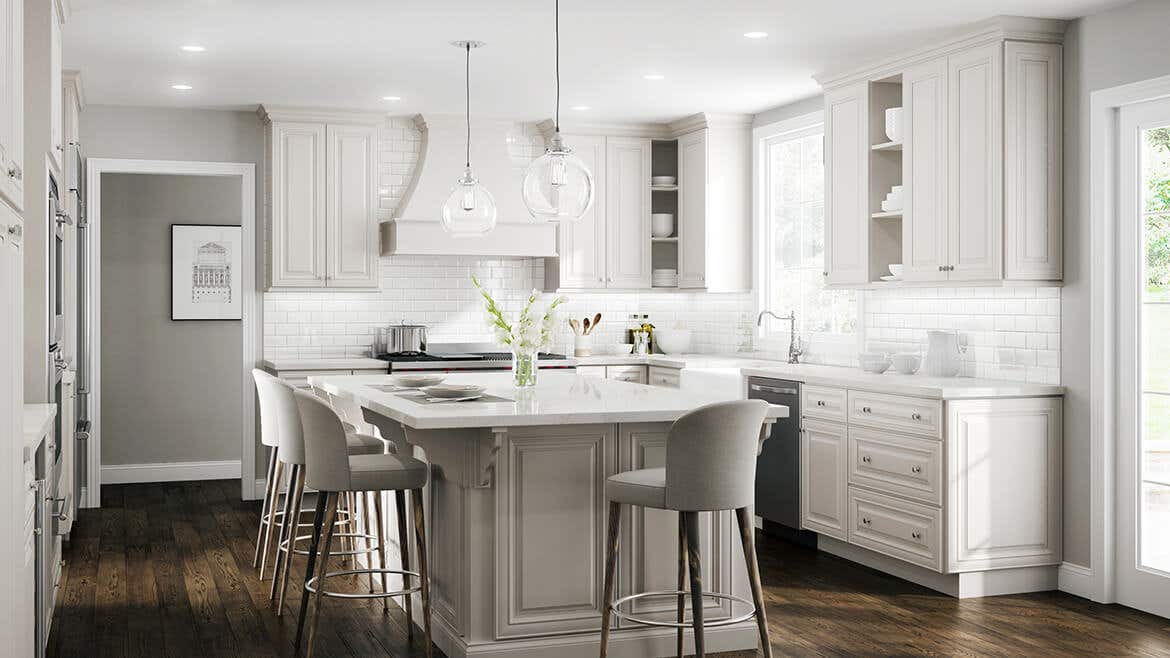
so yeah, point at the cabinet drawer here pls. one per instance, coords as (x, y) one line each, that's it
(898, 528)
(901, 465)
(664, 377)
(823, 402)
(896, 412)
(635, 374)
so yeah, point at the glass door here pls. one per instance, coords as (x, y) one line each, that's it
(1143, 458)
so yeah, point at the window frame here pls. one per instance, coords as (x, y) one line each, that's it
(763, 136)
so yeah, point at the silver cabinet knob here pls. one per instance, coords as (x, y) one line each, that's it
(915, 469)
(820, 403)
(864, 521)
(916, 535)
(916, 416)
(865, 459)
(15, 172)
(60, 147)
(15, 230)
(866, 410)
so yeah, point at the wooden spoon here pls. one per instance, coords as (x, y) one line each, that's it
(596, 321)
(586, 325)
(576, 327)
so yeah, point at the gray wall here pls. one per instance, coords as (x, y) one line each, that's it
(1112, 48)
(194, 135)
(170, 390)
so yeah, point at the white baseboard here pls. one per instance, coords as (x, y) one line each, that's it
(170, 472)
(1076, 579)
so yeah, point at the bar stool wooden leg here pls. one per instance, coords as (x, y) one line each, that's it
(611, 549)
(682, 579)
(420, 541)
(285, 530)
(273, 508)
(746, 533)
(266, 509)
(318, 597)
(696, 569)
(294, 513)
(314, 543)
(367, 530)
(404, 556)
(379, 527)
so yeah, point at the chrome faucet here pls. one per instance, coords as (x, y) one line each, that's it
(795, 349)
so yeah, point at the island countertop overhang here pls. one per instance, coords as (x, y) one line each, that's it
(557, 399)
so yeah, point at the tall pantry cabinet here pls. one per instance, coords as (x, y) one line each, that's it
(977, 153)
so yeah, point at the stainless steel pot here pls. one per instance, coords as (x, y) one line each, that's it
(403, 339)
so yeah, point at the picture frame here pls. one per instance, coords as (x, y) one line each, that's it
(206, 267)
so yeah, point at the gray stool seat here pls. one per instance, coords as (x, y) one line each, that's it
(364, 444)
(645, 487)
(386, 472)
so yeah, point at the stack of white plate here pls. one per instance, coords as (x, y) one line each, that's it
(664, 278)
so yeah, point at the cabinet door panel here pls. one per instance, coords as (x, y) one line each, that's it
(627, 221)
(823, 477)
(12, 103)
(924, 166)
(351, 227)
(582, 243)
(298, 204)
(847, 173)
(975, 195)
(1033, 133)
(693, 157)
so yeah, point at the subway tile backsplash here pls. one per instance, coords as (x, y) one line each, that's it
(1010, 333)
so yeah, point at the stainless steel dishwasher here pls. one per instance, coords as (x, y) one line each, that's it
(778, 466)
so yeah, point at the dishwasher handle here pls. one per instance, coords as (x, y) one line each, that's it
(763, 388)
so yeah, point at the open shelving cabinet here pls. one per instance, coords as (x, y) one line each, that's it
(885, 171)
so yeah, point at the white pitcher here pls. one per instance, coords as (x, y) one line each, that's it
(942, 354)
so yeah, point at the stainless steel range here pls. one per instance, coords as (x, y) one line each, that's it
(456, 357)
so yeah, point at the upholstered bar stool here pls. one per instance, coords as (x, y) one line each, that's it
(333, 473)
(279, 409)
(710, 466)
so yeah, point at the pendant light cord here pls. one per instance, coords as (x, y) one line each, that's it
(467, 96)
(557, 41)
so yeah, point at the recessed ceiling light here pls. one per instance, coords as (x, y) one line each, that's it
(580, 108)
(392, 98)
(182, 87)
(193, 49)
(654, 76)
(755, 35)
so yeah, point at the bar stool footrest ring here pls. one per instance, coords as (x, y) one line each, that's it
(614, 608)
(311, 584)
(354, 535)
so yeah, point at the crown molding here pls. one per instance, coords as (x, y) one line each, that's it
(273, 113)
(72, 78)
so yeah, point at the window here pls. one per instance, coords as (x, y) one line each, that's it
(790, 231)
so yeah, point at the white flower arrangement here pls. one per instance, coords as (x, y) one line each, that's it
(527, 333)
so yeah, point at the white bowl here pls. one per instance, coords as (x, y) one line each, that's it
(662, 180)
(453, 390)
(672, 341)
(661, 224)
(894, 124)
(623, 348)
(896, 270)
(874, 362)
(416, 380)
(906, 363)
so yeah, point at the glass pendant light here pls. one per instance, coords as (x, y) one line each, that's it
(470, 209)
(557, 185)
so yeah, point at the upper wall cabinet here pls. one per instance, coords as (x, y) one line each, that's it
(12, 103)
(949, 162)
(697, 172)
(320, 198)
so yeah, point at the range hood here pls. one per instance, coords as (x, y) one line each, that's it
(415, 228)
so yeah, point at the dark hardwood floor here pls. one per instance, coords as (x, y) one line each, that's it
(166, 570)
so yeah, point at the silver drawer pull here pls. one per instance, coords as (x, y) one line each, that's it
(915, 416)
(864, 521)
(865, 459)
(915, 469)
(866, 410)
(773, 389)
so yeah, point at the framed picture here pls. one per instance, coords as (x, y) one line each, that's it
(206, 262)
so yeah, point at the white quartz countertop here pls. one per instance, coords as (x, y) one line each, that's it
(348, 363)
(38, 422)
(559, 398)
(945, 388)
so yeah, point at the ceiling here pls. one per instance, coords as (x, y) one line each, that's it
(351, 53)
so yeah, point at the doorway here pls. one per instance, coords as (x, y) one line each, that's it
(1143, 446)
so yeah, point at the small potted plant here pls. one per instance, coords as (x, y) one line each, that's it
(525, 337)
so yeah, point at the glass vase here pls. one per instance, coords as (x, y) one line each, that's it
(523, 368)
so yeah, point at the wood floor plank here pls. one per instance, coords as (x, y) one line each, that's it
(166, 570)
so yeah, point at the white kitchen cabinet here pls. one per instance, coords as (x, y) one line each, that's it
(581, 244)
(1033, 104)
(665, 377)
(627, 216)
(351, 228)
(56, 116)
(846, 194)
(693, 180)
(12, 103)
(633, 374)
(320, 198)
(924, 215)
(824, 472)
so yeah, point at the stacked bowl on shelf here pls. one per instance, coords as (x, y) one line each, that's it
(664, 278)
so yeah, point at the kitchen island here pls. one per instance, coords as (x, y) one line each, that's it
(516, 509)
